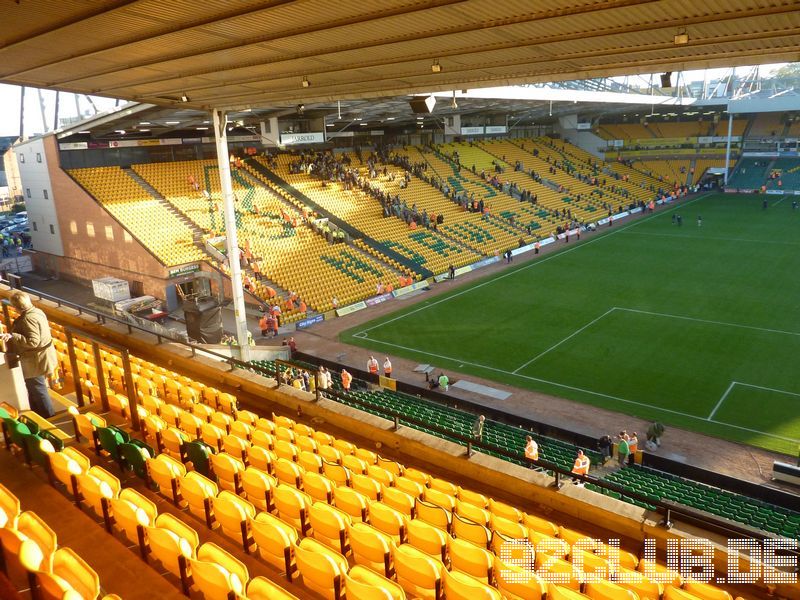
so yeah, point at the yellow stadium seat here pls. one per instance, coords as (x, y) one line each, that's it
(234, 515)
(166, 473)
(388, 520)
(399, 500)
(475, 533)
(541, 525)
(198, 491)
(639, 584)
(460, 586)
(96, 487)
(352, 502)
(409, 486)
(309, 461)
(472, 498)
(261, 458)
(132, 512)
(228, 471)
(335, 472)
(293, 506)
(258, 486)
(321, 568)
(472, 512)
(70, 575)
(236, 447)
(364, 584)
(366, 485)
(379, 474)
(606, 590)
(433, 514)
(275, 541)
(706, 591)
(10, 507)
(289, 472)
(419, 574)
(558, 592)
(318, 486)
(217, 573)
(212, 435)
(372, 548)
(329, 526)
(261, 588)
(518, 583)
(505, 511)
(427, 538)
(675, 593)
(471, 559)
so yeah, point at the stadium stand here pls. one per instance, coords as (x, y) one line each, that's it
(750, 173)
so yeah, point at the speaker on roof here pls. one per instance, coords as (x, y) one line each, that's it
(422, 104)
(666, 80)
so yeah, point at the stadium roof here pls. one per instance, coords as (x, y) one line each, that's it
(251, 53)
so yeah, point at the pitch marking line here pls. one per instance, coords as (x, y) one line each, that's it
(570, 336)
(779, 201)
(758, 387)
(710, 322)
(583, 390)
(721, 400)
(426, 305)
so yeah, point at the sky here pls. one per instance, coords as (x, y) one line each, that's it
(10, 101)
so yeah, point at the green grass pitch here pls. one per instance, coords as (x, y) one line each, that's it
(695, 326)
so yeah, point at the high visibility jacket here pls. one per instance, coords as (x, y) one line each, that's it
(581, 466)
(532, 450)
(387, 367)
(633, 445)
(346, 380)
(372, 365)
(262, 323)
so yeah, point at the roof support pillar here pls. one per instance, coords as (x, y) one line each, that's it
(229, 211)
(728, 147)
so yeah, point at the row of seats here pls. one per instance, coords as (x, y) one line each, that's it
(29, 545)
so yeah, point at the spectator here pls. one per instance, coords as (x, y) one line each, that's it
(622, 448)
(633, 446)
(477, 429)
(444, 381)
(292, 345)
(387, 367)
(531, 449)
(654, 433)
(30, 339)
(604, 445)
(581, 466)
(347, 379)
(372, 366)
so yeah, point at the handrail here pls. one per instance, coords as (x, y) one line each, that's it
(103, 317)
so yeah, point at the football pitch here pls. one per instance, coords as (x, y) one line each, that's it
(694, 326)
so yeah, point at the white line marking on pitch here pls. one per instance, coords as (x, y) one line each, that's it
(739, 325)
(583, 390)
(428, 305)
(570, 336)
(769, 389)
(779, 201)
(721, 400)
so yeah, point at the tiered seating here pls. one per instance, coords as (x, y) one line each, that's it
(426, 248)
(285, 250)
(137, 210)
(639, 186)
(624, 131)
(30, 546)
(794, 129)
(769, 124)
(750, 173)
(314, 505)
(658, 484)
(668, 170)
(667, 129)
(789, 174)
(541, 223)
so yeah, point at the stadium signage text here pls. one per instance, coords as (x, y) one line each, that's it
(183, 270)
(310, 321)
(766, 560)
(287, 139)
